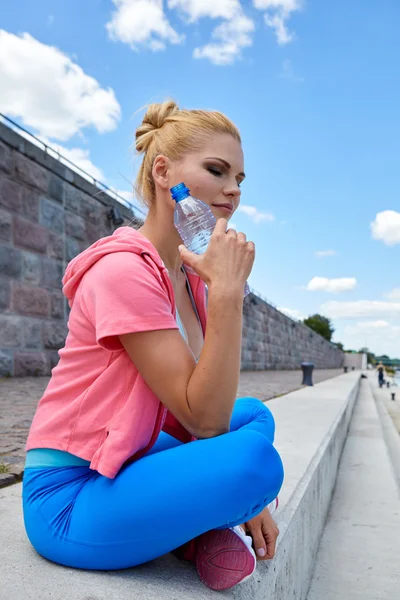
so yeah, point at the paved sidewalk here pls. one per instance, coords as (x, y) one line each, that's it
(358, 558)
(19, 398)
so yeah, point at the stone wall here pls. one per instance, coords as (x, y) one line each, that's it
(48, 214)
(271, 340)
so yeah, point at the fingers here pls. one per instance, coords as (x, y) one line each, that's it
(270, 533)
(189, 258)
(220, 227)
(258, 540)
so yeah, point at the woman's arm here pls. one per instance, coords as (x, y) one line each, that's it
(200, 396)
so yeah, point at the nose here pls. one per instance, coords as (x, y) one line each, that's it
(233, 190)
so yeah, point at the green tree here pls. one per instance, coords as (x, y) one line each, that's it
(321, 325)
(340, 346)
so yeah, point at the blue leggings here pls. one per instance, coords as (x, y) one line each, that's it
(76, 517)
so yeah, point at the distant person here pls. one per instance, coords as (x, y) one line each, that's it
(381, 374)
(139, 446)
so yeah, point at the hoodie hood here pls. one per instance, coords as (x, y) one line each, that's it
(124, 239)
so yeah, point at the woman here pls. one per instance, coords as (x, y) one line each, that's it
(111, 480)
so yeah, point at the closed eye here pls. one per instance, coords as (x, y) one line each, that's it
(215, 171)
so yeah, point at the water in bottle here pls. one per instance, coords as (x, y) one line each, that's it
(194, 221)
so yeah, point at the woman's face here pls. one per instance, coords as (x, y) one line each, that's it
(213, 174)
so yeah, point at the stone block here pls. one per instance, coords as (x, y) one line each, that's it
(28, 300)
(75, 226)
(93, 232)
(72, 198)
(55, 246)
(56, 188)
(52, 273)
(5, 226)
(32, 334)
(5, 294)
(57, 305)
(31, 268)
(54, 335)
(6, 161)
(6, 363)
(10, 262)
(86, 184)
(31, 173)
(29, 235)
(73, 248)
(30, 205)
(91, 210)
(11, 332)
(31, 364)
(51, 215)
(10, 194)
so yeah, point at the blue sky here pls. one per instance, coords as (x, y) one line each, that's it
(314, 88)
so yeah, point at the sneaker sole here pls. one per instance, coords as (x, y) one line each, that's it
(223, 560)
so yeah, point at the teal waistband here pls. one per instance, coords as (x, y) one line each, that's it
(47, 457)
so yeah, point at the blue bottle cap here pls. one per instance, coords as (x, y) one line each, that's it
(179, 192)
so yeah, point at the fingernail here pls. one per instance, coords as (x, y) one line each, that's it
(261, 552)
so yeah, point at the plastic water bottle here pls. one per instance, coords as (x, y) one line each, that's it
(194, 221)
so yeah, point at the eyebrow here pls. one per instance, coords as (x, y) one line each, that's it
(225, 162)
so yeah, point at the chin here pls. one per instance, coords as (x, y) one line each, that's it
(221, 214)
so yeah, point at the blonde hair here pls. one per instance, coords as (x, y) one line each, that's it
(172, 132)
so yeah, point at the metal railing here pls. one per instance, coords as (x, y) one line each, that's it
(58, 156)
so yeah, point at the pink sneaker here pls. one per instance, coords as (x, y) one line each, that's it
(225, 557)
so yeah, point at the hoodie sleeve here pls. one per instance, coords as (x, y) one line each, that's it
(122, 293)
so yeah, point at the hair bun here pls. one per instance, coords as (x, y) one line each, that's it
(155, 117)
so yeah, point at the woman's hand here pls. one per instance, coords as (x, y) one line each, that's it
(264, 532)
(227, 261)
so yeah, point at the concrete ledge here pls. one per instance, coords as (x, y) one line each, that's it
(312, 426)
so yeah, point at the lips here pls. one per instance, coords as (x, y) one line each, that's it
(228, 206)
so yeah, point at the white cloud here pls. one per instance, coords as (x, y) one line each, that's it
(277, 14)
(324, 253)
(81, 158)
(374, 309)
(372, 325)
(333, 286)
(230, 37)
(214, 9)
(294, 314)
(142, 23)
(49, 92)
(381, 337)
(386, 227)
(289, 74)
(256, 215)
(394, 294)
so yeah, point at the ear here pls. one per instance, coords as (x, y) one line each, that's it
(160, 171)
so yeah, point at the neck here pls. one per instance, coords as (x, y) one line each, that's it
(160, 230)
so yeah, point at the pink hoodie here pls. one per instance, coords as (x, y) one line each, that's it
(97, 405)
